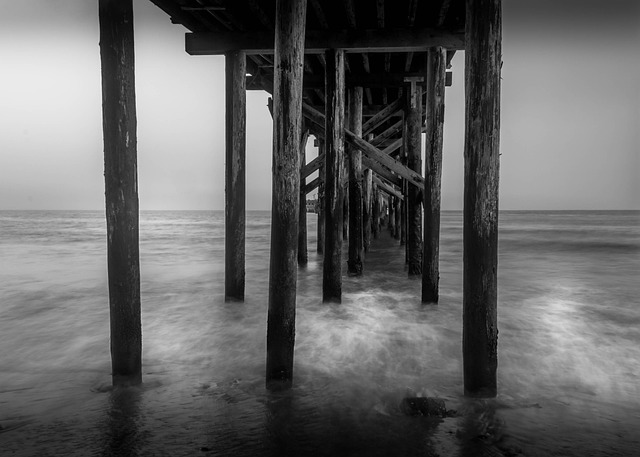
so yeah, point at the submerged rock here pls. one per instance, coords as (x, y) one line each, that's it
(425, 406)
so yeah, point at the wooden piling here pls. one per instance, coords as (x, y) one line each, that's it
(320, 228)
(375, 211)
(334, 136)
(392, 215)
(413, 120)
(121, 188)
(303, 256)
(287, 123)
(356, 242)
(345, 207)
(405, 190)
(403, 215)
(483, 60)
(367, 187)
(398, 217)
(436, 75)
(235, 175)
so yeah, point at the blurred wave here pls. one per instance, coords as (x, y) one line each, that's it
(569, 344)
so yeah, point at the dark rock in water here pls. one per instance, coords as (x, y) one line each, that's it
(425, 406)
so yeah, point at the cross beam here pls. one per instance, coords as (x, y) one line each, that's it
(381, 171)
(317, 41)
(264, 81)
(387, 188)
(312, 166)
(374, 153)
(368, 149)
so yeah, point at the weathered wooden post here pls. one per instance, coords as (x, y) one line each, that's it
(375, 211)
(303, 256)
(390, 221)
(121, 188)
(356, 243)
(413, 120)
(392, 215)
(398, 216)
(405, 190)
(345, 206)
(287, 123)
(334, 137)
(436, 74)
(235, 175)
(483, 60)
(367, 186)
(320, 228)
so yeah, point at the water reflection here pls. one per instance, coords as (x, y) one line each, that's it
(279, 421)
(481, 431)
(123, 437)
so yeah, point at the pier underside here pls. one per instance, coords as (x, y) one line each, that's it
(366, 78)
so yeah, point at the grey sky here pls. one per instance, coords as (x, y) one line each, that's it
(570, 111)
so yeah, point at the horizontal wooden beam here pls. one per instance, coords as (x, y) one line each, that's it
(371, 80)
(317, 41)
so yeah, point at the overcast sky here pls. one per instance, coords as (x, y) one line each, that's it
(570, 135)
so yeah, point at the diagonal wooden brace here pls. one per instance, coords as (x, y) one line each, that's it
(369, 150)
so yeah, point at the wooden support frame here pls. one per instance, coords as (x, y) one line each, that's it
(235, 176)
(334, 152)
(121, 188)
(374, 153)
(287, 126)
(483, 61)
(436, 69)
(371, 151)
(318, 41)
(355, 262)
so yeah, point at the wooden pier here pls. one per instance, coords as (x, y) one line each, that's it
(367, 78)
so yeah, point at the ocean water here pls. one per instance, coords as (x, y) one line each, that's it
(569, 344)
